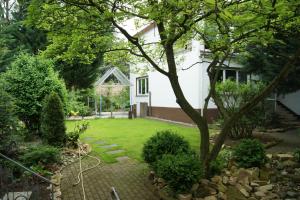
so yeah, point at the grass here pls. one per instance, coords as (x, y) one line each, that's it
(129, 135)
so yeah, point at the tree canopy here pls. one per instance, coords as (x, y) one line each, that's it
(267, 60)
(226, 27)
(29, 80)
(15, 37)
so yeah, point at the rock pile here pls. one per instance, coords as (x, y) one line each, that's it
(278, 179)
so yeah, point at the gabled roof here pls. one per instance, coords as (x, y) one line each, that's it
(117, 73)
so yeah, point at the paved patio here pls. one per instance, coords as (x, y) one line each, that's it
(127, 176)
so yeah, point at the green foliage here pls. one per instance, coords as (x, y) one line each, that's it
(164, 142)
(44, 155)
(221, 162)
(180, 171)
(116, 102)
(29, 80)
(8, 119)
(267, 60)
(73, 136)
(249, 153)
(233, 97)
(53, 121)
(16, 38)
(76, 105)
(40, 170)
(77, 40)
(297, 155)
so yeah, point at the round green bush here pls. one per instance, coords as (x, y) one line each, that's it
(249, 153)
(164, 142)
(180, 171)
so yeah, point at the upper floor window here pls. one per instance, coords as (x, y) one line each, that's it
(142, 85)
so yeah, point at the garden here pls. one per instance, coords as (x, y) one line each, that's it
(53, 52)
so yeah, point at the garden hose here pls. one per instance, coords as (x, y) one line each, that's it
(80, 174)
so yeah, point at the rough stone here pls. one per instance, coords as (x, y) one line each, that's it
(222, 196)
(259, 194)
(210, 198)
(216, 179)
(265, 188)
(225, 180)
(221, 187)
(243, 176)
(284, 156)
(254, 184)
(254, 173)
(291, 194)
(185, 196)
(252, 198)
(151, 176)
(289, 163)
(232, 180)
(242, 190)
(195, 187)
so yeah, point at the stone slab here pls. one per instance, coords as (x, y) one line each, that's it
(122, 158)
(108, 146)
(115, 151)
(100, 142)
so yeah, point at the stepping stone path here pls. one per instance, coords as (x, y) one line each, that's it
(100, 142)
(122, 158)
(115, 151)
(88, 138)
(109, 146)
(104, 145)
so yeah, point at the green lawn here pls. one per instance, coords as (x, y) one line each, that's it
(129, 135)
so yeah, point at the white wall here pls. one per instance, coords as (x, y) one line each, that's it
(162, 94)
(292, 101)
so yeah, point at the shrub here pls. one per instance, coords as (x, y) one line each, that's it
(29, 80)
(249, 153)
(52, 123)
(180, 171)
(76, 104)
(73, 136)
(221, 162)
(164, 142)
(297, 155)
(8, 120)
(41, 155)
(233, 97)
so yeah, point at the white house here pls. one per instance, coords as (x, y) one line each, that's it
(152, 95)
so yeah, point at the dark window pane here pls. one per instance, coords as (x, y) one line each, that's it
(231, 74)
(220, 76)
(147, 85)
(242, 77)
(143, 86)
(140, 86)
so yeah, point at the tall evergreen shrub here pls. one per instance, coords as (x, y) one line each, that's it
(52, 122)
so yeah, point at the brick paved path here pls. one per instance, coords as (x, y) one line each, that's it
(128, 177)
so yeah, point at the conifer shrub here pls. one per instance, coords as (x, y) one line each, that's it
(52, 123)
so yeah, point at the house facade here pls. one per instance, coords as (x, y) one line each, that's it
(151, 92)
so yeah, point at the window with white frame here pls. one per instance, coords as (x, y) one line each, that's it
(233, 74)
(142, 85)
